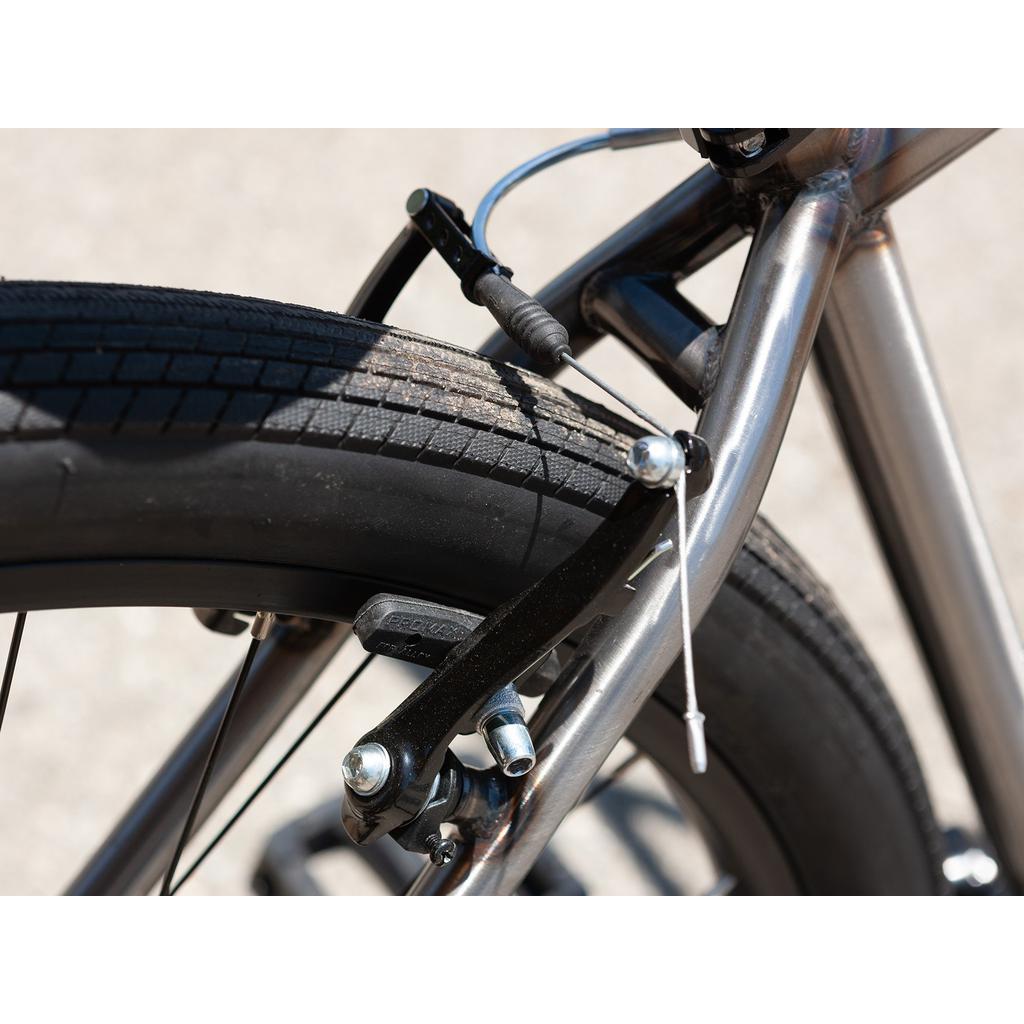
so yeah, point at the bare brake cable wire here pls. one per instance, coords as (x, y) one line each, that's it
(12, 661)
(617, 395)
(615, 138)
(284, 759)
(695, 741)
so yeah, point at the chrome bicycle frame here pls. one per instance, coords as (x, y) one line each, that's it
(823, 262)
(823, 274)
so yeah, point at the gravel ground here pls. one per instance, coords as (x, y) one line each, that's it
(301, 216)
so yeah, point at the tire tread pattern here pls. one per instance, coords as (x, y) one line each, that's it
(94, 360)
(115, 359)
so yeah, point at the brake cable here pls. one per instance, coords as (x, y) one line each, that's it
(655, 462)
(615, 138)
(403, 779)
(620, 138)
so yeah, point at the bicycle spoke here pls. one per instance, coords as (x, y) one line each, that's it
(285, 757)
(600, 785)
(260, 628)
(724, 886)
(12, 660)
(597, 788)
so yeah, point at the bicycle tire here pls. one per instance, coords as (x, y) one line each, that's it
(172, 447)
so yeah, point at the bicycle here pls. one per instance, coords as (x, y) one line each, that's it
(152, 434)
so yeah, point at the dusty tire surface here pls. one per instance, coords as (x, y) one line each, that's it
(160, 446)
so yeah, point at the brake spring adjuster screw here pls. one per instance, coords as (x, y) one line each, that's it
(441, 851)
(366, 768)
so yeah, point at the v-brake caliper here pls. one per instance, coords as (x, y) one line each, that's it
(401, 777)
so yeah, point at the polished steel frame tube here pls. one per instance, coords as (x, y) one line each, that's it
(134, 855)
(890, 416)
(776, 314)
(766, 347)
(890, 162)
(910, 473)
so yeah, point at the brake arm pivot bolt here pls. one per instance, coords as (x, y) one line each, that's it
(366, 768)
(752, 147)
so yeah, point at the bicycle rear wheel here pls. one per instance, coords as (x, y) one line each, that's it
(164, 447)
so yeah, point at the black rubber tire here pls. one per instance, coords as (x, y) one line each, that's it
(171, 447)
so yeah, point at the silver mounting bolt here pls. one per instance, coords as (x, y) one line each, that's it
(502, 723)
(656, 461)
(753, 145)
(509, 741)
(366, 768)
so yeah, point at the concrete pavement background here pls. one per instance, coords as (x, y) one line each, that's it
(301, 216)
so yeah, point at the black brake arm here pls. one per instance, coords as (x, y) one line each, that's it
(507, 644)
(391, 274)
(400, 261)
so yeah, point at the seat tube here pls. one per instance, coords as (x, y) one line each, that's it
(889, 414)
